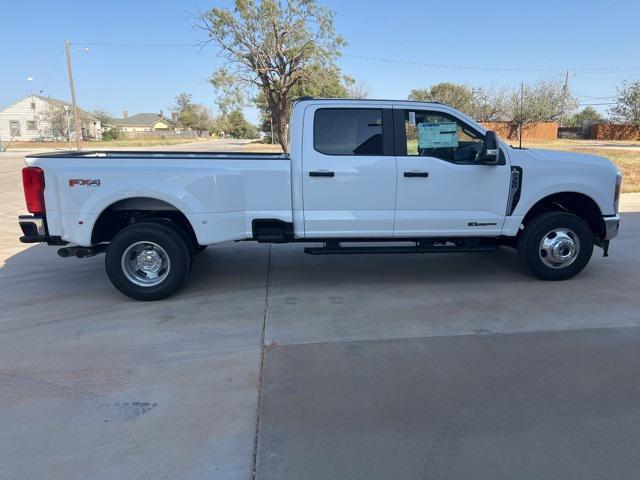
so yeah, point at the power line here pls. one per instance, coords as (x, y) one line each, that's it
(588, 98)
(50, 74)
(594, 104)
(496, 68)
(110, 44)
(592, 97)
(608, 69)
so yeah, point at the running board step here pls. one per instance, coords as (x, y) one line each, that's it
(338, 250)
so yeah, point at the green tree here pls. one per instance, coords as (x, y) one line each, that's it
(105, 118)
(488, 104)
(109, 132)
(482, 104)
(236, 125)
(588, 115)
(57, 121)
(233, 124)
(455, 95)
(190, 115)
(320, 82)
(544, 101)
(269, 47)
(627, 106)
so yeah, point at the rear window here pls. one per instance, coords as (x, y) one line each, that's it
(348, 131)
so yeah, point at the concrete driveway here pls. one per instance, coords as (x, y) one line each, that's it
(394, 366)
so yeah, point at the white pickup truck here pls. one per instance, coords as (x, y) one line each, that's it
(402, 177)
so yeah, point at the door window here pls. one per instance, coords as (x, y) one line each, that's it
(435, 134)
(348, 131)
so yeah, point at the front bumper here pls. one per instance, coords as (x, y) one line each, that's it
(33, 228)
(611, 226)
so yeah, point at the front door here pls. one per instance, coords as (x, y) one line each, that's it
(442, 191)
(349, 172)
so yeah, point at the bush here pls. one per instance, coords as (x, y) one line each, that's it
(111, 134)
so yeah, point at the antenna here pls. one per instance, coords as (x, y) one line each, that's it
(520, 123)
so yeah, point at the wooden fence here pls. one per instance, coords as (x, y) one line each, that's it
(532, 131)
(612, 131)
(164, 134)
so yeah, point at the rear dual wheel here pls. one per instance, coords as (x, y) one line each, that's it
(148, 260)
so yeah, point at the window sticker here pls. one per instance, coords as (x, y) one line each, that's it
(437, 135)
(412, 118)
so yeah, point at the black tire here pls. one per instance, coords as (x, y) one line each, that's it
(190, 242)
(536, 258)
(165, 243)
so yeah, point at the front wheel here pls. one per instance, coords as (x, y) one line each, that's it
(556, 245)
(148, 261)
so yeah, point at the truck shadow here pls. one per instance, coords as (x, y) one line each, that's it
(242, 265)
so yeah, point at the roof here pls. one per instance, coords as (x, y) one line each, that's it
(141, 119)
(56, 103)
(374, 100)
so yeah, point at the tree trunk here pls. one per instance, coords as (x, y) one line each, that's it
(283, 132)
(282, 124)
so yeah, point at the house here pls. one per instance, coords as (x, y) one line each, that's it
(39, 118)
(143, 122)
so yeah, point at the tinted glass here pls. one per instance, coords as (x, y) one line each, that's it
(348, 131)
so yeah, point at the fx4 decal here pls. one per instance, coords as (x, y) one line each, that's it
(84, 182)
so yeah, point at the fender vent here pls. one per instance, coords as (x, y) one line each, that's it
(515, 187)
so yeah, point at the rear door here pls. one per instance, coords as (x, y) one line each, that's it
(349, 171)
(441, 189)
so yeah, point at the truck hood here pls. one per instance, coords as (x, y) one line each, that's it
(562, 156)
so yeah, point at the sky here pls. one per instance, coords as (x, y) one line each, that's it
(409, 45)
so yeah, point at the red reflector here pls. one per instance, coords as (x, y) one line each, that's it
(33, 183)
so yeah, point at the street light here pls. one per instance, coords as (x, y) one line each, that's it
(67, 47)
(29, 81)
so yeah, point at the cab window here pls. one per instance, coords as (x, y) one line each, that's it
(434, 134)
(348, 131)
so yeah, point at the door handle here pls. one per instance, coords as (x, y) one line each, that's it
(322, 173)
(416, 174)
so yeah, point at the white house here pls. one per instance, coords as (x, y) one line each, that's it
(42, 118)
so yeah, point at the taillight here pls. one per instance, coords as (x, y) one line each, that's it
(33, 183)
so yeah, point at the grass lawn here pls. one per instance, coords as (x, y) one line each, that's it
(263, 147)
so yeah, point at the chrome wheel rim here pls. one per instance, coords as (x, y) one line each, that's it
(559, 248)
(145, 264)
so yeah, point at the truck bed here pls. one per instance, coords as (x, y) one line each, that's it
(219, 193)
(137, 154)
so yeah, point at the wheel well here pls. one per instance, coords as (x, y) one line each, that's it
(131, 210)
(577, 203)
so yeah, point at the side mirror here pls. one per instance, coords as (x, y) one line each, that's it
(491, 152)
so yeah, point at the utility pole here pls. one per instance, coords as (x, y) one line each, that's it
(272, 139)
(67, 47)
(565, 91)
(66, 114)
